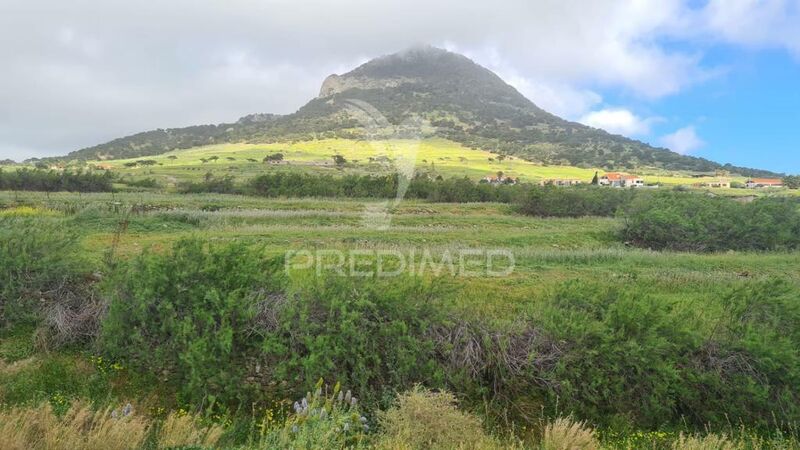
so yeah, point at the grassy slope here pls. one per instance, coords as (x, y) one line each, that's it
(434, 155)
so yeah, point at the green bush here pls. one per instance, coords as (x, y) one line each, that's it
(369, 334)
(632, 359)
(691, 222)
(186, 315)
(551, 201)
(621, 354)
(53, 180)
(38, 261)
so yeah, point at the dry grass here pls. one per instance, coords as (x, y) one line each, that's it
(185, 430)
(15, 367)
(80, 428)
(83, 428)
(566, 434)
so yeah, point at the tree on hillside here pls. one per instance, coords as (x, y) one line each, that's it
(339, 160)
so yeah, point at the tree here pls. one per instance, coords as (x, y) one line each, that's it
(275, 157)
(595, 179)
(339, 160)
(792, 181)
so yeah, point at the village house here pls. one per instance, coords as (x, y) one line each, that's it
(724, 184)
(620, 180)
(500, 179)
(560, 182)
(757, 183)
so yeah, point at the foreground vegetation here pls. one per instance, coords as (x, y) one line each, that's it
(177, 302)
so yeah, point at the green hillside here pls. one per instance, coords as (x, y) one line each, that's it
(453, 97)
(433, 156)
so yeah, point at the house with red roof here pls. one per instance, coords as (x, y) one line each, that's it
(620, 180)
(756, 183)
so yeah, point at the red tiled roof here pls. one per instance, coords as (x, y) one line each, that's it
(617, 176)
(766, 181)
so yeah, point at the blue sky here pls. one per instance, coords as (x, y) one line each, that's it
(746, 113)
(712, 78)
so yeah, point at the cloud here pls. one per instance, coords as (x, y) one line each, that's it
(91, 70)
(618, 121)
(684, 140)
(754, 23)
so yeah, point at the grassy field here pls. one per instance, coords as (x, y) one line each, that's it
(546, 251)
(436, 156)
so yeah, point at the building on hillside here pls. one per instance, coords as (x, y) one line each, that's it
(560, 182)
(500, 179)
(722, 183)
(621, 180)
(757, 183)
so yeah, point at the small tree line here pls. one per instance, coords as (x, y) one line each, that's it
(56, 180)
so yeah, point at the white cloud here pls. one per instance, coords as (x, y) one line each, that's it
(755, 23)
(90, 70)
(618, 121)
(683, 141)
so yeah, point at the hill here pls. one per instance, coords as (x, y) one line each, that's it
(463, 101)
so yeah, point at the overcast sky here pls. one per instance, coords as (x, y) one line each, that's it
(684, 74)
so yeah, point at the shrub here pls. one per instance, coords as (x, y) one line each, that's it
(422, 419)
(551, 201)
(371, 334)
(692, 222)
(53, 180)
(38, 268)
(620, 354)
(321, 420)
(186, 315)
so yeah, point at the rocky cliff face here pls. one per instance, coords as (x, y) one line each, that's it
(336, 84)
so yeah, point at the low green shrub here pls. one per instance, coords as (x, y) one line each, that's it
(186, 315)
(39, 264)
(370, 334)
(691, 222)
(551, 201)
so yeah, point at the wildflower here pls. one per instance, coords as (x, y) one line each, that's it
(294, 429)
(341, 396)
(347, 396)
(323, 414)
(363, 419)
(304, 403)
(353, 402)
(127, 410)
